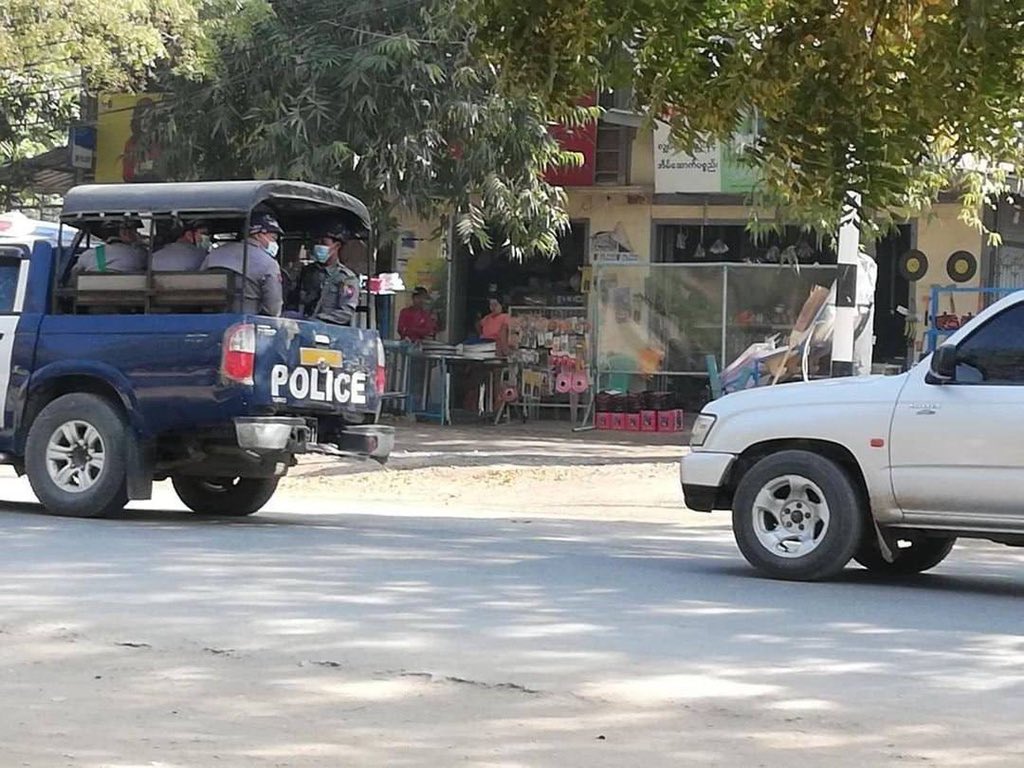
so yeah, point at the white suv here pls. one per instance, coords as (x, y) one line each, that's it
(884, 470)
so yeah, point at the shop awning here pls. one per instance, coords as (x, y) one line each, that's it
(623, 117)
(50, 173)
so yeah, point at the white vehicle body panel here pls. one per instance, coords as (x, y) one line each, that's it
(933, 455)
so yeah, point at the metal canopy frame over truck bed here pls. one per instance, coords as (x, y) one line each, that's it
(301, 208)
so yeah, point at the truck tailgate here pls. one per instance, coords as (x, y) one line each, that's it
(305, 366)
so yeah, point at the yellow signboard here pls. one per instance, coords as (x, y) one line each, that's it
(121, 149)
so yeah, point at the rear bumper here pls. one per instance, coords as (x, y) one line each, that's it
(704, 479)
(272, 434)
(374, 441)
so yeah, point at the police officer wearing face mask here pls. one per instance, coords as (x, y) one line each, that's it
(328, 290)
(262, 278)
(187, 253)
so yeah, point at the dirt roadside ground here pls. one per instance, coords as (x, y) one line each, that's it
(543, 470)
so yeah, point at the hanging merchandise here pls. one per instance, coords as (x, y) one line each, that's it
(699, 252)
(719, 248)
(804, 252)
(680, 239)
(550, 348)
(772, 257)
(789, 258)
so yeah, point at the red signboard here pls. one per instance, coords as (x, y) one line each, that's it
(582, 140)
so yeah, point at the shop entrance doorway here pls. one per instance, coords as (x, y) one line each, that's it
(536, 281)
(892, 299)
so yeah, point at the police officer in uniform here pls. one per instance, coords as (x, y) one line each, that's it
(187, 253)
(328, 290)
(263, 292)
(123, 252)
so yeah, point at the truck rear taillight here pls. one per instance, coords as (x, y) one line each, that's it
(382, 371)
(239, 357)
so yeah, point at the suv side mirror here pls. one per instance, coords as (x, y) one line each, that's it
(943, 365)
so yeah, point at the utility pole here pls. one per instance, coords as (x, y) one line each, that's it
(845, 325)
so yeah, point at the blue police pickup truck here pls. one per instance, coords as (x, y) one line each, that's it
(110, 380)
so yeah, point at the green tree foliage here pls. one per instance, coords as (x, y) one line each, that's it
(53, 50)
(894, 99)
(382, 98)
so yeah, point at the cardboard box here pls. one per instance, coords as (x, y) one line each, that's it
(619, 421)
(666, 421)
(603, 420)
(632, 422)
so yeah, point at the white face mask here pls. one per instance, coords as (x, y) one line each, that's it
(272, 248)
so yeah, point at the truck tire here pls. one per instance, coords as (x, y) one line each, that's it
(922, 554)
(798, 516)
(224, 496)
(76, 456)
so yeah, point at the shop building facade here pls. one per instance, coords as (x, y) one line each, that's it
(660, 261)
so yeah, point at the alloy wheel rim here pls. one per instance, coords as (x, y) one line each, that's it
(790, 516)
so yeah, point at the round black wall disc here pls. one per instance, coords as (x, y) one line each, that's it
(913, 265)
(962, 266)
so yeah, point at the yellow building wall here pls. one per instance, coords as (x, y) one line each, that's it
(938, 236)
(642, 159)
(610, 211)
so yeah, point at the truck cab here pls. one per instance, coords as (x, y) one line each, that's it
(113, 380)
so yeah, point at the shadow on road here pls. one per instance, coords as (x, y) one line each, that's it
(371, 640)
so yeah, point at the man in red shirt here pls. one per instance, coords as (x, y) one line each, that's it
(415, 322)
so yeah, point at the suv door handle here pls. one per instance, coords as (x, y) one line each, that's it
(926, 412)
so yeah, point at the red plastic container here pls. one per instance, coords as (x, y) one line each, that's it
(648, 421)
(680, 422)
(619, 421)
(632, 422)
(667, 421)
(603, 420)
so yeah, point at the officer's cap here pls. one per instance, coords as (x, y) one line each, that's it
(264, 222)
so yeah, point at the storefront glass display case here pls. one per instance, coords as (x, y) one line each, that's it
(663, 320)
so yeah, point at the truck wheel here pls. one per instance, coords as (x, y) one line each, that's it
(225, 496)
(76, 456)
(919, 553)
(797, 516)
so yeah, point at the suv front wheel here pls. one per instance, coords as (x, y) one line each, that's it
(798, 516)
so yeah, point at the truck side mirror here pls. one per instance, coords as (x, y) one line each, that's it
(943, 365)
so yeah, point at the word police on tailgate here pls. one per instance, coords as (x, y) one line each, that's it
(318, 379)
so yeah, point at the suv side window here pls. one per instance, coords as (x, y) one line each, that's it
(994, 354)
(10, 271)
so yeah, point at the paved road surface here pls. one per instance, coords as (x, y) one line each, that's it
(305, 637)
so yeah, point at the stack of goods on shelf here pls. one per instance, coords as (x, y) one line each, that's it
(484, 350)
(431, 347)
(638, 412)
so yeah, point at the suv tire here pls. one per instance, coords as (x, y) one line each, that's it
(798, 516)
